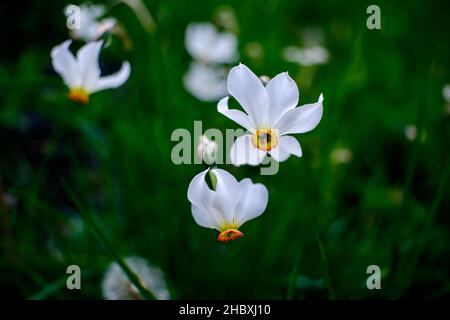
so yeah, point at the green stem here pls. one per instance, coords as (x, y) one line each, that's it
(134, 279)
(325, 267)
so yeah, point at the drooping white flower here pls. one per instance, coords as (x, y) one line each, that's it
(91, 26)
(117, 286)
(82, 73)
(308, 56)
(207, 149)
(205, 82)
(271, 115)
(229, 206)
(207, 45)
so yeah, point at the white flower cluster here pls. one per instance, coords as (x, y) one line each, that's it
(210, 49)
(271, 117)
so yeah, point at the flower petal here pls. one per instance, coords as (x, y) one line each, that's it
(201, 217)
(243, 152)
(301, 119)
(206, 44)
(206, 83)
(236, 115)
(200, 195)
(65, 64)
(87, 58)
(283, 95)
(252, 203)
(248, 90)
(288, 145)
(114, 80)
(226, 195)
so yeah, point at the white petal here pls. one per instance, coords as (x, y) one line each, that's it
(301, 119)
(65, 64)
(198, 190)
(201, 217)
(205, 44)
(236, 115)
(288, 145)
(200, 195)
(283, 95)
(206, 83)
(243, 152)
(248, 90)
(226, 195)
(114, 80)
(87, 58)
(253, 201)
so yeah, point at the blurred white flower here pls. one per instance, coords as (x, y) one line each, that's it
(308, 56)
(117, 286)
(341, 156)
(207, 150)
(411, 132)
(229, 206)
(206, 83)
(271, 115)
(446, 93)
(82, 73)
(91, 27)
(206, 44)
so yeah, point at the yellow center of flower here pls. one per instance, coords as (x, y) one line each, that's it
(79, 95)
(229, 234)
(265, 139)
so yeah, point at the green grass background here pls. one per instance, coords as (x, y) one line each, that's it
(388, 206)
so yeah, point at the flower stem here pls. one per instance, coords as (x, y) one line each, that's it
(134, 279)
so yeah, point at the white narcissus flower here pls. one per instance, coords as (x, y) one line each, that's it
(271, 116)
(91, 27)
(206, 44)
(207, 150)
(82, 73)
(117, 286)
(206, 83)
(229, 206)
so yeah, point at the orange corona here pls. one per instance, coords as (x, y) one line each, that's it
(79, 95)
(229, 234)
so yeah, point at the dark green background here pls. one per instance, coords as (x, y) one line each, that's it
(388, 206)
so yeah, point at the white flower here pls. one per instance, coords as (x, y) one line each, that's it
(207, 150)
(82, 73)
(229, 206)
(446, 93)
(271, 115)
(206, 83)
(117, 286)
(206, 44)
(308, 56)
(91, 28)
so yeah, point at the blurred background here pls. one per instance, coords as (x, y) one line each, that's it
(371, 188)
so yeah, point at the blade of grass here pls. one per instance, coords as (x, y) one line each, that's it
(145, 293)
(293, 279)
(325, 268)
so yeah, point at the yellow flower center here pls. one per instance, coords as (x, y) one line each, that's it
(229, 234)
(79, 95)
(265, 139)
